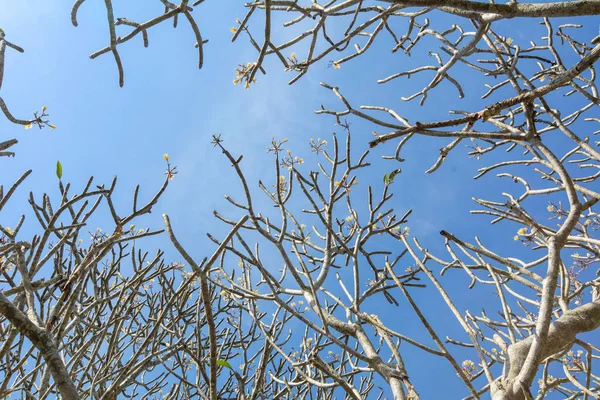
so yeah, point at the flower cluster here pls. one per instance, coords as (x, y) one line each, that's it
(299, 307)
(498, 44)
(521, 233)
(244, 74)
(171, 170)
(592, 221)
(469, 368)
(333, 357)
(5, 265)
(398, 231)
(373, 282)
(39, 120)
(317, 147)
(282, 185)
(98, 237)
(574, 361)
(178, 266)
(233, 29)
(582, 262)
(276, 145)
(290, 161)
(558, 211)
(133, 231)
(307, 344)
(294, 64)
(148, 286)
(345, 184)
(549, 382)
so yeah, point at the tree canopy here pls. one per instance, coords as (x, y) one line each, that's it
(333, 268)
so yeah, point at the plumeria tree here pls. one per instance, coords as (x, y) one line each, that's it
(88, 314)
(300, 299)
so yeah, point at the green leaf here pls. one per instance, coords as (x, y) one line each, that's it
(388, 179)
(58, 169)
(224, 363)
(394, 173)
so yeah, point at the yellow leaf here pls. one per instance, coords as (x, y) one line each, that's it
(542, 78)
(166, 157)
(233, 29)
(509, 41)
(44, 108)
(52, 126)
(28, 126)
(293, 55)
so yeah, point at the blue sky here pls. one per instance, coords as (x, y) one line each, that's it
(169, 106)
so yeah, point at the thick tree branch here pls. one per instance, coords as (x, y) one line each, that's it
(561, 335)
(42, 340)
(513, 9)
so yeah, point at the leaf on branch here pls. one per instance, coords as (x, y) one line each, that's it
(224, 363)
(58, 169)
(388, 179)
